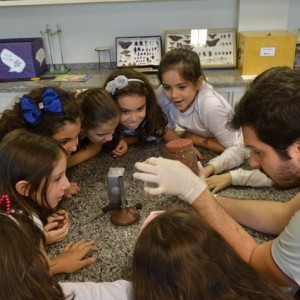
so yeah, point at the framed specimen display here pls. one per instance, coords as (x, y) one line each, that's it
(141, 52)
(215, 47)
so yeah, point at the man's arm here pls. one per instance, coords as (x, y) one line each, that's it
(166, 174)
(221, 221)
(261, 215)
(258, 256)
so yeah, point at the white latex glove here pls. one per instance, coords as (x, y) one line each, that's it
(170, 177)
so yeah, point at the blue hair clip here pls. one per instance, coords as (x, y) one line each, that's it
(33, 112)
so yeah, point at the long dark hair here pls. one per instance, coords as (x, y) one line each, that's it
(97, 106)
(30, 157)
(24, 271)
(178, 256)
(155, 121)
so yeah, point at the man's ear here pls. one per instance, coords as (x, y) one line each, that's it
(23, 187)
(296, 146)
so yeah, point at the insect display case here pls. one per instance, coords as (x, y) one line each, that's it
(140, 52)
(215, 47)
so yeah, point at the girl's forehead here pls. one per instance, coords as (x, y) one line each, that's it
(111, 124)
(60, 164)
(68, 129)
(131, 101)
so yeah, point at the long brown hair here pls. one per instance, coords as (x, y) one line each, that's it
(155, 120)
(24, 271)
(30, 157)
(178, 256)
(97, 107)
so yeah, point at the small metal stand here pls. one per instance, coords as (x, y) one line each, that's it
(125, 216)
(49, 34)
(103, 49)
(63, 67)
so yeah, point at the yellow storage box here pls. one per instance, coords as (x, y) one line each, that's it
(261, 50)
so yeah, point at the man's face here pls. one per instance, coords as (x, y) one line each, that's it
(283, 173)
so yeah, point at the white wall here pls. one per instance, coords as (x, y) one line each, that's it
(294, 16)
(256, 15)
(87, 26)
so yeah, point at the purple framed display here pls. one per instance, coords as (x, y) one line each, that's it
(22, 58)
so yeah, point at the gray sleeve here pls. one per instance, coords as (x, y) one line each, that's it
(286, 249)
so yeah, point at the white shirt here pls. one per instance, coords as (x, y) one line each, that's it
(232, 157)
(117, 290)
(208, 115)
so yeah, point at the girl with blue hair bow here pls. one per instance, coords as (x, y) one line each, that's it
(54, 113)
(50, 112)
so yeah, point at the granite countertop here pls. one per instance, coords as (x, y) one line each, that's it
(115, 243)
(218, 78)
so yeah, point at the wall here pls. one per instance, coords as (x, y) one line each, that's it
(258, 15)
(294, 15)
(87, 26)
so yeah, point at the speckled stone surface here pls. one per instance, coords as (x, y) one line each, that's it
(115, 243)
(218, 78)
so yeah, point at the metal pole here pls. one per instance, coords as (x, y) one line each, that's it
(62, 68)
(50, 51)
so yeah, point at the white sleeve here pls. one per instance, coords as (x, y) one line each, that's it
(286, 249)
(37, 222)
(253, 178)
(231, 157)
(215, 123)
(117, 290)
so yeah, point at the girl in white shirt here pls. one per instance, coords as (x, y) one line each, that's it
(190, 101)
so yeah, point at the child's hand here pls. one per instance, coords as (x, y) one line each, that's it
(72, 257)
(217, 183)
(209, 170)
(73, 190)
(121, 149)
(57, 227)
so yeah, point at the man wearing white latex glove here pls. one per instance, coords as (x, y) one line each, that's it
(165, 174)
(268, 115)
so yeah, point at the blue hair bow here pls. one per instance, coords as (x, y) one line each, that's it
(32, 112)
